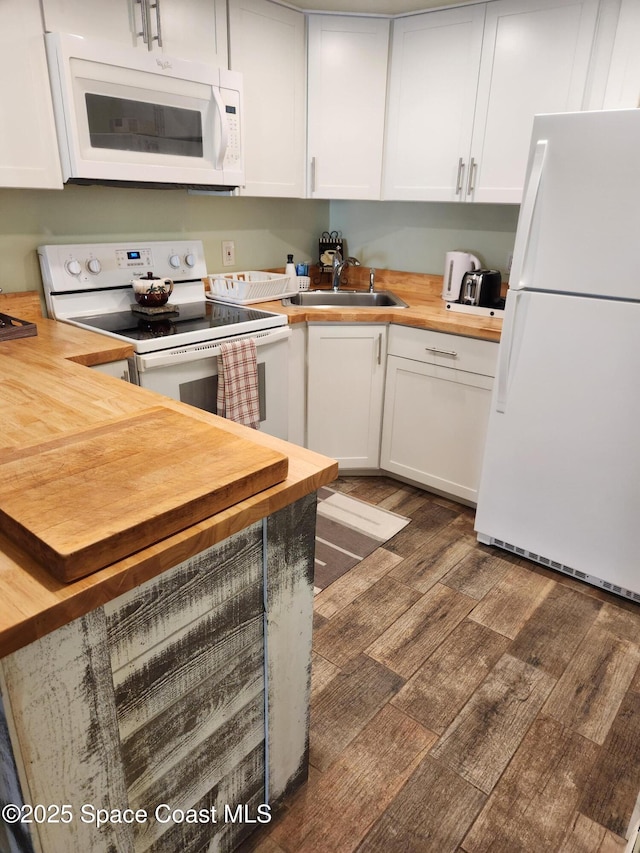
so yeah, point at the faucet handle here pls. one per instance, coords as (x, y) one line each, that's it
(372, 278)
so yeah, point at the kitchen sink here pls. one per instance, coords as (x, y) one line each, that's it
(346, 299)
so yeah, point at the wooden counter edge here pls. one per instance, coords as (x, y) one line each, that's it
(47, 604)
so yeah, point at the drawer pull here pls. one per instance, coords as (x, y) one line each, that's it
(450, 352)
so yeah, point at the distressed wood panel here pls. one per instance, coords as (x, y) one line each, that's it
(171, 735)
(186, 783)
(353, 583)
(243, 785)
(555, 630)
(533, 805)
(442, 685)
(357, 788)
(589, 693)
(432, 812)
(481, 740)
(14, 838)
(346, 705)
(611, 793)
(63, 707)
(289, 618)
(140, 619)
(512, 601)
(158, 678)
(358, 624)
(426, 566)
(415, 635)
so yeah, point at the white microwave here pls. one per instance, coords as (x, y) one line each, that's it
(131, 117)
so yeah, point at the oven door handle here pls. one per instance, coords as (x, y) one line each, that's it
(207, 349)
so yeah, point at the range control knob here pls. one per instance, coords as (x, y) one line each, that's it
(174, 260)
(73, 267)
(190, 260)
(94, 266)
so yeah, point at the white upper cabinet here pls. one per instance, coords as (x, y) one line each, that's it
(435, 61)
(347, 88)
(464, 87)
(535, 59)
(267, 44)
(28, 144)
(623, 83)
(187, 29)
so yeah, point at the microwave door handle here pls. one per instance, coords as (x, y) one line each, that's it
(224, 129)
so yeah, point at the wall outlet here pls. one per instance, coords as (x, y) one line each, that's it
(509, 261)
(228, 253)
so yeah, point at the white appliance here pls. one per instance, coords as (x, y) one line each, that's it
(561, 475)
(136, 117)
(176, 351)
(456, 264)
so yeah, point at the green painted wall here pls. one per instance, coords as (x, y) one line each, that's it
(397, 235)
(415, 236)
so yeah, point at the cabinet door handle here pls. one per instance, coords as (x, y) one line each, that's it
(459, 176)
(450, 352)
(380, 349)
(157, 37)
(144, 18)
(313, 174)
(472, 175)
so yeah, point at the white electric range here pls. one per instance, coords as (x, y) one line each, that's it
(88, 285)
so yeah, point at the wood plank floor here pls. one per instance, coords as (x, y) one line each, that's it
(464, 699)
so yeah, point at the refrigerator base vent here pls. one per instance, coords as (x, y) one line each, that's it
(560, 567)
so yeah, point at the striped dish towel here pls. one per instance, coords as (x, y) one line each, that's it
(238, 397)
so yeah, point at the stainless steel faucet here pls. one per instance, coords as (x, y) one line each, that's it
(338, 265)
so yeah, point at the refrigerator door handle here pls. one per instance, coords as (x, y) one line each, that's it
(521, 247)
(505, 350)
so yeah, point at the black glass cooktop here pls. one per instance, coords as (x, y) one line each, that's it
(194, 317)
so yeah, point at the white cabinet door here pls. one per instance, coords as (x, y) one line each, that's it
(464, 87)
(187, 29)
(345, 379)
(434, 427)
(28, 144)
(267, 44)
(623, 83)
(435, 62)
(347, 87)
(436, 409)
(535, 59)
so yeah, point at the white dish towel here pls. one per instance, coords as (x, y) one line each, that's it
(238, 395)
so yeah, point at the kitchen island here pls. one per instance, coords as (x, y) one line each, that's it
(160, 702)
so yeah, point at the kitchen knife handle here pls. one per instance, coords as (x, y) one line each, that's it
(459, 176)
(472, 175)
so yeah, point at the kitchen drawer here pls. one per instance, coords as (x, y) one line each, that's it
(444, 350)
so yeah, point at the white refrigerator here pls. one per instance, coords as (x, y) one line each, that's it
(561, 475)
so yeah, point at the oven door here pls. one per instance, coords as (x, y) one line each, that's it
(190, 374)
(126, 115)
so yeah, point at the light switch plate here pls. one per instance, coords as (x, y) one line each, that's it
(228, 253)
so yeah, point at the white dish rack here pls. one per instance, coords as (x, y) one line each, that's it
(243, 288)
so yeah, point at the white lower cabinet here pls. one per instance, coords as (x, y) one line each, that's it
(345, 381)
(437, 399)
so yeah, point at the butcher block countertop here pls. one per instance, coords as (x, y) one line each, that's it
(48, 395)
(421, 292)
